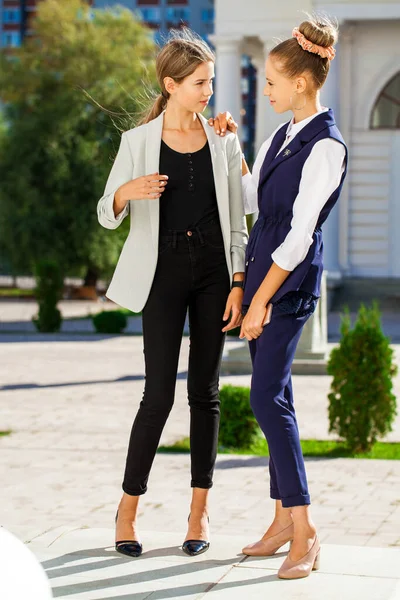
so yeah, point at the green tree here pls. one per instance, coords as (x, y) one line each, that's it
(59, 145)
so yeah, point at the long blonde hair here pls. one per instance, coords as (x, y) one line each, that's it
(180, 56)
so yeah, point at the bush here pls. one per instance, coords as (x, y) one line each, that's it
(110, 321)
(48, 292)
(238, 428)
(362, 406)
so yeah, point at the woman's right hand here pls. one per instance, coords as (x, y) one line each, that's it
(147, 187)
(222, 123)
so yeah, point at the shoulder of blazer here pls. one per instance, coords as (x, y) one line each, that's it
(229, 145)
(141, 130)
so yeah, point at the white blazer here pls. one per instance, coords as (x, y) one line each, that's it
(138, 155)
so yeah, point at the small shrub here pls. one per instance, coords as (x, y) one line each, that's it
(238, 428)
(48, 292)
(110, 321)
(362, 406)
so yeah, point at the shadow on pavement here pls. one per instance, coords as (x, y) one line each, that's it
(58, 567)
(31, 386)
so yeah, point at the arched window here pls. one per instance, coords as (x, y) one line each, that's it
(386, 112)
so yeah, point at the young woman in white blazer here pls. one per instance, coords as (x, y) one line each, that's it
(181, 185)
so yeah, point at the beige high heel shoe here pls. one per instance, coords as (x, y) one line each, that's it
(269, 546)
(296, 569)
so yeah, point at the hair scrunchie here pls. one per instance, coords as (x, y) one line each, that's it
(323, 52)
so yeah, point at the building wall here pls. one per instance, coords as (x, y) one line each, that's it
(362, 234)
(162, 14)
(372, 177)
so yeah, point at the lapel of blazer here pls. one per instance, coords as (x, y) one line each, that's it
(153, 146)
(305, 135)
(220, 172)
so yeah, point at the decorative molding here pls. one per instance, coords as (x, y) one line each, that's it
(226, 41)
(385, 74)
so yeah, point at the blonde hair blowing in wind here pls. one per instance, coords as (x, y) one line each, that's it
(178, 58)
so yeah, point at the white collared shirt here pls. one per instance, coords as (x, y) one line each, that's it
(320, 177)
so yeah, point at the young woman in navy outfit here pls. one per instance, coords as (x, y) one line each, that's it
(296, 181)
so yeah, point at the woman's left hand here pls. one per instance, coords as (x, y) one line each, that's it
(234, 306)
(252, 325)
(223, 123)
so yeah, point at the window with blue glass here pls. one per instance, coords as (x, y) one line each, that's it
(151, 15)
(11, 39)
(178, 14)
(207, 15)
(12, 15)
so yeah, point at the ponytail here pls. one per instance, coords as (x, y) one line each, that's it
(155, 111)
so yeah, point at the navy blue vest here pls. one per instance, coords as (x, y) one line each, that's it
(278, 187)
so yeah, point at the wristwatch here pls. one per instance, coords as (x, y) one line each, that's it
(238, 284)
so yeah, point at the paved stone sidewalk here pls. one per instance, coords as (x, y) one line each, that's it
(81, 564)
(70, 405)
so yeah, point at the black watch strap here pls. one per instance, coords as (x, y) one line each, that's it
(238, 284)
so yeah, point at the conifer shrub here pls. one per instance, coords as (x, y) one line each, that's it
(110, 321)
(238, 427)
(362, 406)
(48, 292)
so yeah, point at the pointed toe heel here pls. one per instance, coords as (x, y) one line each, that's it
(297, 569)
(130, 548)
(271, 545)
(195, 547)
(317, 561)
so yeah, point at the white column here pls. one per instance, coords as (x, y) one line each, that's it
(266, 119)
(330, 97)
(346, 79)
(261, 113)
(228, 76)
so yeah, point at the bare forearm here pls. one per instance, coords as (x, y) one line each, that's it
(270, 285)
(238, 277)
(119, 201)
(245, 168)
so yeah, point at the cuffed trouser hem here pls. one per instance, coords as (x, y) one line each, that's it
(131, 492)
(274, 494)
(203, 486)
(301, 500)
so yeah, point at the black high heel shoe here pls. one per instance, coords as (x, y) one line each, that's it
(195, 547)
(128, 547)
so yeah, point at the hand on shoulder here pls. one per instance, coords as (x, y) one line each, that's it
(223, 123)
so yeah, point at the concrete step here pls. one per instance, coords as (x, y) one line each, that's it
(81, 563)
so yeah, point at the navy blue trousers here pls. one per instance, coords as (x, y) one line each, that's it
(271, 397)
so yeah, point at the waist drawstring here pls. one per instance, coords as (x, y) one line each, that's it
(255, 238)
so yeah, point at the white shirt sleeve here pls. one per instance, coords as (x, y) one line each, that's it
(250, 180)
(320, 177)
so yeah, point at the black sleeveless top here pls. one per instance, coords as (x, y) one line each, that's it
(189, 195)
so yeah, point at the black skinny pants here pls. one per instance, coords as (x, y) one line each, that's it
(191, 275)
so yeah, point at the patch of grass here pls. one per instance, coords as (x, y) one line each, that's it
(15, 292)
(4, 433)
(311, 448)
